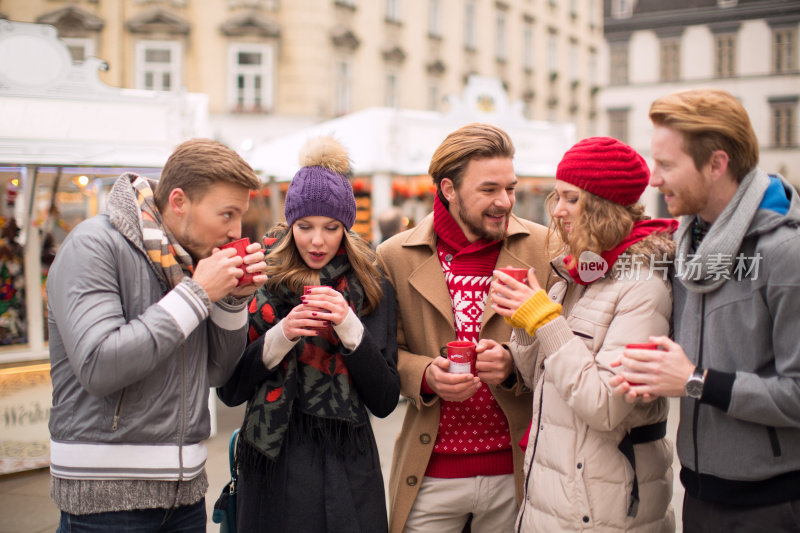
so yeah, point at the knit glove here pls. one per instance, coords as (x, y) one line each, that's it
(537, 311)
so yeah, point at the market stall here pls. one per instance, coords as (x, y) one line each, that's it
(64, 137)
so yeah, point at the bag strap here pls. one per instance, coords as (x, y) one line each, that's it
(232, 454)
(639, 435)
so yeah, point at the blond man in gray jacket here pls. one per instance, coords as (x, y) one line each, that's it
(735, 360)
(144, 316)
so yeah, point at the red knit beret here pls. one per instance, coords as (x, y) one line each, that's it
(607, 168)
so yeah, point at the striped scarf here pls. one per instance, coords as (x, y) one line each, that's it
(161, 246)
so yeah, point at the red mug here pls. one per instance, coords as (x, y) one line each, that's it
(462, 356)
(306, 290)
(519, 274)
(642, 346)
(240, 246)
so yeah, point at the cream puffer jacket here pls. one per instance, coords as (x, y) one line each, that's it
(576, 479)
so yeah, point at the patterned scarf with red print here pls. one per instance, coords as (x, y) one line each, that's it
(312, 383)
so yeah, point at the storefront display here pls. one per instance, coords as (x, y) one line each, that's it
(64, 138)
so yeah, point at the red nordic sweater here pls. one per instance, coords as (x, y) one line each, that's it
(473, 437)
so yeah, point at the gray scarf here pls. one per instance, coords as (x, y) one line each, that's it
(711, 265)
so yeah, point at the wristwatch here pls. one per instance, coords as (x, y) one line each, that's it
(694, 385)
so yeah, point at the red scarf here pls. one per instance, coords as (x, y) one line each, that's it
(481, 254)
(473, 437)
(641, 230)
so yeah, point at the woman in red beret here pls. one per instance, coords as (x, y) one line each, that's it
(593, 461)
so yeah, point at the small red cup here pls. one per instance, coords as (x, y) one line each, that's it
(307, 290)
(462, 356)
(240, 246)
(642, 346)
(519, 274)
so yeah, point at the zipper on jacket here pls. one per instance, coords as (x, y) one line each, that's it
(118, 411)
(182, 427)
(696, 413)
(183, 411)
(773, 440)
(533, 456)
(557, 273)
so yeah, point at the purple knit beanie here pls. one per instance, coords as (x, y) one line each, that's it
(607, 168)
(321, 187)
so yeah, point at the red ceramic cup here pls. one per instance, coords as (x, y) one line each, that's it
(642, 346)
(240, 246)
(462, 356)
(306, 290)
(519, 274)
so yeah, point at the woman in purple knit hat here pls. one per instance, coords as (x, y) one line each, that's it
(593, 462)
(320, 359)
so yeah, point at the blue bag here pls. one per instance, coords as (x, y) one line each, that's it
(225, 506)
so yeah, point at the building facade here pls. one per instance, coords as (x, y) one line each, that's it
(749, 48)
(271, 66)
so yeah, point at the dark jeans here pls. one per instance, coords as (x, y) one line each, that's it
(183, 519)
(707, 517)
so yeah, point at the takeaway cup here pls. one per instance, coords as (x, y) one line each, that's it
(462, 356)
(641, 346)
(240, 245)
(519, 274)
(307, 290)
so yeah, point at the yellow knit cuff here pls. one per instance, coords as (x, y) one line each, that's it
(537, 311)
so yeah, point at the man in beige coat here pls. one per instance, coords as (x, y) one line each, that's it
(457, 458)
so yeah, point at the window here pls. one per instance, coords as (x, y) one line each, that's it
(527, 46)
(435, 18)
(392, 92)
(574, 64)
(343, 83)
(469, 25)
(250, 83)
(784, 58)
(393, 11)
(618, 124)
(501, 35)
(784, 122)
(592, 13)
(670, 66)
(158, 65)
(552, 54)
(725, 55)
(271, 5)
(621, 9)
(433, 97)
(593, 68)
(618, 71)
(79, 48)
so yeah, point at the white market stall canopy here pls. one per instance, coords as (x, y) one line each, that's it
(401, 142)
(55, 112)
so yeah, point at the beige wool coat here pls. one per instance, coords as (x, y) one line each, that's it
(576, 478)
(425, 325)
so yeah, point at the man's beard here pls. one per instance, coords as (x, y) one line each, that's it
(477, 228)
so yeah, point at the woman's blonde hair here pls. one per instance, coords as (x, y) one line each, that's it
(285, 266)
(601, 226)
